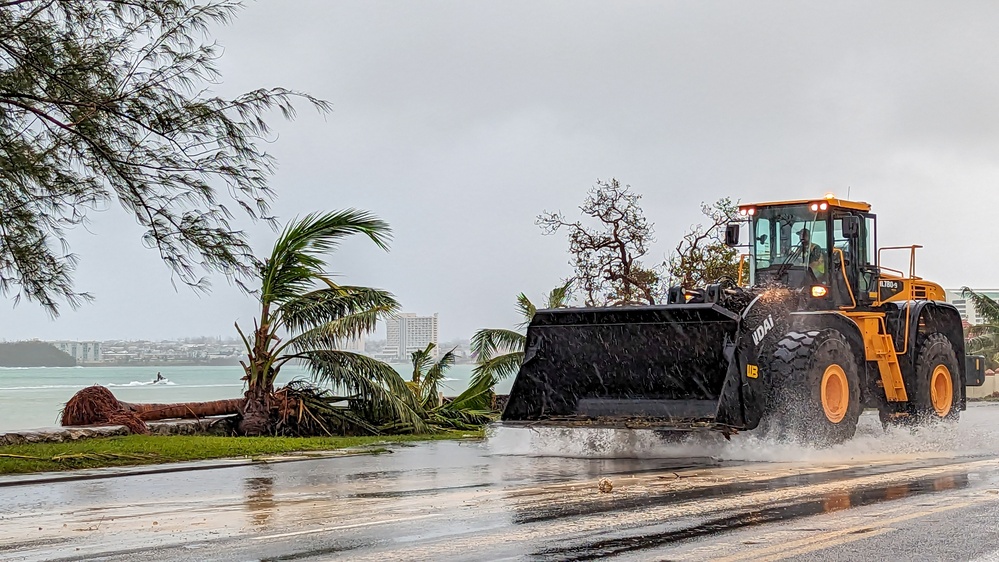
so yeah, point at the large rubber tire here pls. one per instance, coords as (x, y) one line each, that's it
(815, 396)
(937, 394)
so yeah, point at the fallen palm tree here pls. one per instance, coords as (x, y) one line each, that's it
(96, 405)
(300, 408)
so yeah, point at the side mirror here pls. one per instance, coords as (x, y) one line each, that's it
(851, 227)
(732, 234)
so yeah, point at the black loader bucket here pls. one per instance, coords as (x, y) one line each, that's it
(640, 366)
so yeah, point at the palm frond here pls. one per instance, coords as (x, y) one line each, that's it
(559, 296)
(986, 307)
(526, 308)
(242, 336)
(461, 419)
(298, 254)
(984, 341)
(434, 377)
(981, 329)
(320, 411)
(326, 318)
(470, 410)
(331, 335)
(420, 359)
(374, 384)
(487, 342)
(497, 368)
(333, 303)
(478, 396)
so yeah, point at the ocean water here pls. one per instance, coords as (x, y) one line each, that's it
(33, 397)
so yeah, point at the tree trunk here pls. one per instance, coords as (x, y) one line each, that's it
(256, 412)
(96, 405)
(151, 412)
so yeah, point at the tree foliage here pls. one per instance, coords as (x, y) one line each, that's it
(469, 410)
(110, 100)
(428, 375)
(499, 352)
(984, 338)
(305, 316)
(607, 255)
(702, 256)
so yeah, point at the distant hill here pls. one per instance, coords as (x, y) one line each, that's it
(34, 354)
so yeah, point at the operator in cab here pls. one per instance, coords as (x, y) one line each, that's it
(812, 254)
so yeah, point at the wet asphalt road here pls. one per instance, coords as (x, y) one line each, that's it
(522, 495)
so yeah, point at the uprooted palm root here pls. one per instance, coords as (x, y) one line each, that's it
(95, 405)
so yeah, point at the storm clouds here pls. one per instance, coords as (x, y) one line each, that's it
(458, 122)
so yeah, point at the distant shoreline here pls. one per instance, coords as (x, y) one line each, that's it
(170, 364)
(219, 363)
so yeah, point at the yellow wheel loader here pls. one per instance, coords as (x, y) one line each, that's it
(815, 330)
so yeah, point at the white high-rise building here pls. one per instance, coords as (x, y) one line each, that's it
(353, 345)
(82, 351)
(966, 308)
(407, 332)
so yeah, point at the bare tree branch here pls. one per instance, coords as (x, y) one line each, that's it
(607, 258)
(701, 256)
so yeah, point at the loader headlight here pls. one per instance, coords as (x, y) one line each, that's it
(818, 291)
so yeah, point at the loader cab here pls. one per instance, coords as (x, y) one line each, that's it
(825, 247)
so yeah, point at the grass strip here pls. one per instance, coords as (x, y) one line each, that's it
(134, 450)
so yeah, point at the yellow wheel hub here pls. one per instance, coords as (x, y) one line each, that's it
(835, 393)
(941, 390)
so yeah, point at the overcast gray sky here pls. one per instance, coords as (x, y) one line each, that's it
(458, 122)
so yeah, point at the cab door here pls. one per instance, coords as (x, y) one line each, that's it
(853, 272)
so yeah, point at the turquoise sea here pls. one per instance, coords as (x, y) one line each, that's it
(32, 397)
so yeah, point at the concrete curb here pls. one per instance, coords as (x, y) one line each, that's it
(191, 466)
(204, 426)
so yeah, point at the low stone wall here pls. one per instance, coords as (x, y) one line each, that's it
(205, 426)
(986, 389)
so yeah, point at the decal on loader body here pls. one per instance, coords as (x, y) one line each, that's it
(762, 330)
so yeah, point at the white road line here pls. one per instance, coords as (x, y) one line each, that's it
(341, 527)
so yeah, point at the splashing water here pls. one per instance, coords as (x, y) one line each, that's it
(161, 382)
(976, 434)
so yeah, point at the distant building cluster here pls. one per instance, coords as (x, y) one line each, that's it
(405, 333)
(119, 352)
(966, 308)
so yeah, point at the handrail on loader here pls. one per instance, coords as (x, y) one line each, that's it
(912, 259)
(742, 263)
(909, 293)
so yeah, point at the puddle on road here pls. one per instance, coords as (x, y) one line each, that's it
(787, 511)
(418, 491)
(259, 499)
(538, 514)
